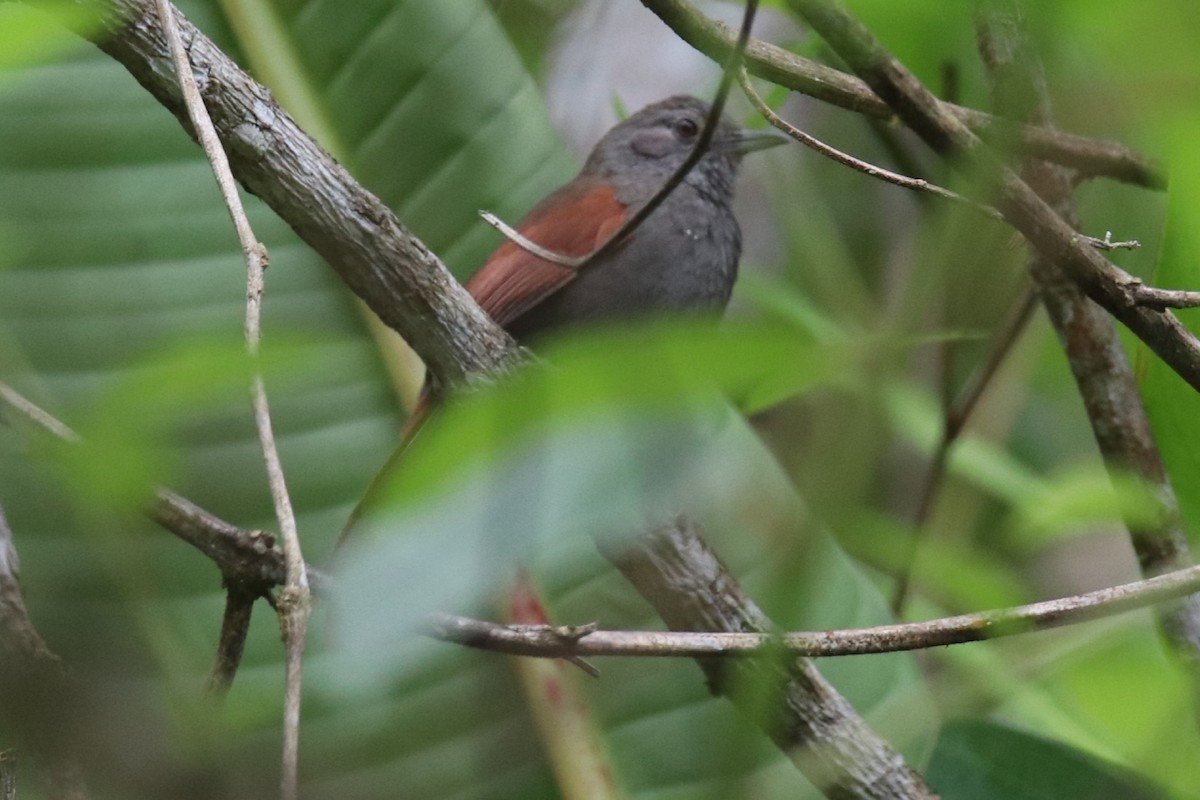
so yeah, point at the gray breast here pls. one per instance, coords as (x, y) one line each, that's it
(682, 258)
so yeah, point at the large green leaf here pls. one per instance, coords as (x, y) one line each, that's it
(120, 300)
(616, 434)
(981, 760)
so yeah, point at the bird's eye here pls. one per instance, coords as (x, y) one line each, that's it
(686, 128)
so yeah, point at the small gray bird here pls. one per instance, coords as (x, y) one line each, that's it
(683, 257)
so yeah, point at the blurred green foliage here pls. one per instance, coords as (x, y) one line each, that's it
(860, 310)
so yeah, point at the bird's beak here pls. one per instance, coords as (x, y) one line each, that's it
(747, 141)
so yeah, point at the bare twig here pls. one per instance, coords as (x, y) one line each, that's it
(957, 414)
(235, 625)
(1107, 243)
(517, 238)
(674, 570)
(895, 178)
(552, 641)
(295, 601)
(857, 164)
(36, 414)
(248, 557)
(1088, 156)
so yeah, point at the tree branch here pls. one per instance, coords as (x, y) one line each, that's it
(295, 602)
(399, 278)
(1088, 156)
(673, 569)
(585, 641)
(1054, 239)
(1146, 294)
(1096, 357)
(235, 625)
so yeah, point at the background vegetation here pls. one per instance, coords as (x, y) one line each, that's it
(861, 307)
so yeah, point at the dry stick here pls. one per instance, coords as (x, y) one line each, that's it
(916, 184)
(585, 641)
(673, 569)
(295, 601)
(1088, 156)
(235, 625)
(36, 414)
(957, 414)
(393, 272)
(1097, 359)
(35, 691)
(707, 131)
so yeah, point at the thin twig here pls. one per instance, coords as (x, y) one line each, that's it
(36, 414)
(957, 414)
(857, 164)
(549, 641)
(517, 238)
(904, 181)
(295, 602)
(235, 625)
(1091, 157)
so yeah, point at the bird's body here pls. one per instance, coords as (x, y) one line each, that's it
(683, 257)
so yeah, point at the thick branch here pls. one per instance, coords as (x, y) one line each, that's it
(692, 590)
(378, 258)
(1088, 156)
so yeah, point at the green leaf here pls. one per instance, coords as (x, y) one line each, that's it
(978, 759)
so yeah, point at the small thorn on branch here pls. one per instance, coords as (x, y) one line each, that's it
(1107, 243)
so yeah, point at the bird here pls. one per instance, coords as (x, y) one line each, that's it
(682, 258)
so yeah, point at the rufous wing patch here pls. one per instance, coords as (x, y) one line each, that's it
(572, 221)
